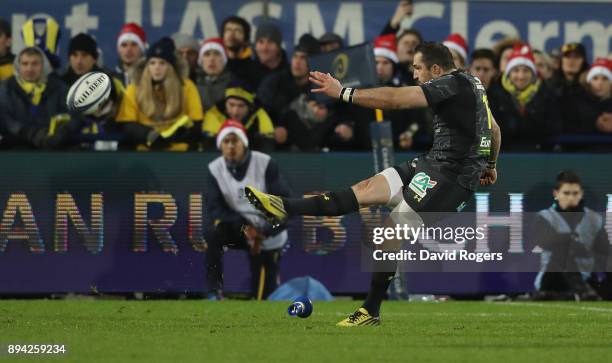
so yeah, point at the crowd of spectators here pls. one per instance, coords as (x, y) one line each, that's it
(175, 93)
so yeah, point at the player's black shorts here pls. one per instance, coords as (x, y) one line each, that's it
(428, 189)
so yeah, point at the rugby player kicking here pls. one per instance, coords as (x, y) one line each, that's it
(465, 148)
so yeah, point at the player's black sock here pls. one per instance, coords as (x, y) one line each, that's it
(328, 204)
(378, 289)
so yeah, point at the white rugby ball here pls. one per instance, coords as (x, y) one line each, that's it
(88, 93)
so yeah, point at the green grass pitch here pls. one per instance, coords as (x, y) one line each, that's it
(248, 331)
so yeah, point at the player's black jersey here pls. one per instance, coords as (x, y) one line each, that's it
(462, 126)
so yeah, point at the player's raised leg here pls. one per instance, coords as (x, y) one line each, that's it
(373, 191)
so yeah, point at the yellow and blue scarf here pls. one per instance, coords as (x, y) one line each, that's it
(521, 98)
(33, 90)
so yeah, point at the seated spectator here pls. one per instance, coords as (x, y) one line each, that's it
(568, 84)
(483, 66)
(131, 46)
(33, 111)
(161, 109)
(278, 90)
(188, 48)
(458, 48)
(313, 124)
(43, 32)
(525, 109)
(543, 64)
(215, 76)
(230, 221)
(97, 130)
(6, 57)
(403, 10)
(269, 54)
(83, 58)
(236, 34)
(240, 105)
(566, 81)
(404, 123)
(93, 129)
(330, 41)
(304, 122)
(574, 242)
(591, 111)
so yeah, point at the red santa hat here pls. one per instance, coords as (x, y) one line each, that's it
(213, 44)
(232, 127)
(457, 43)
(132, 32)
(521, 56)
(603, 67)
(386, 46)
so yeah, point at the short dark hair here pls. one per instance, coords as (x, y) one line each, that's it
(567, 177)
(412, 31)
(436, 53)
(485, 53)
(240, 21)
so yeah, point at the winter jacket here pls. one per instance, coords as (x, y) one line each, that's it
(138, 127)
(278, 90)
(531, 128)
(261, 71)
(212, 89)
(306, 132)
(25, 125)
(244, 67)
(581, 113)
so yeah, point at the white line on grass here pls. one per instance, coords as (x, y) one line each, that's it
(558, 306)
(407, 314)
(493, 314)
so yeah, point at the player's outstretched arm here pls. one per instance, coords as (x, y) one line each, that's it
(383, 97)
